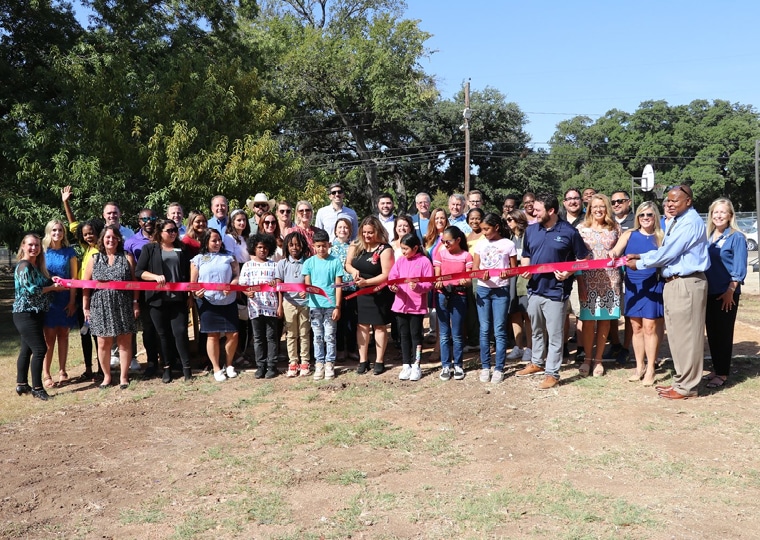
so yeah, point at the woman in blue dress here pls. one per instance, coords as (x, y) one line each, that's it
(61, 261)
(643, 291)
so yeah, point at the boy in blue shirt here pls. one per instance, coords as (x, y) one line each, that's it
(324, 270)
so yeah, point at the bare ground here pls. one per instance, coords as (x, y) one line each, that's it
(375, 457)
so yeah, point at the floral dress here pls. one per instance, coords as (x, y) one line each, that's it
(602, 286)
(111, 311)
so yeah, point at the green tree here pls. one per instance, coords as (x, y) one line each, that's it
(709, 145)
(349, 75)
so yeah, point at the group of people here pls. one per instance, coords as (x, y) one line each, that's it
(323, 281)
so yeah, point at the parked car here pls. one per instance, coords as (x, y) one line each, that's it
(752, 238)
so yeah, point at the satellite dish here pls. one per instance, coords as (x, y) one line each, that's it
(647, 178)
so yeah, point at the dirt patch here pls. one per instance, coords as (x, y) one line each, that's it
(375, 457)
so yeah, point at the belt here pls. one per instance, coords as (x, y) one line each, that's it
(676, 276)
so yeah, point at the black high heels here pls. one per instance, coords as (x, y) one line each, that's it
(22, 389)
(40, 394)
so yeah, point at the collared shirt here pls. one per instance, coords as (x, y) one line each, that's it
(420, 225)
(126, 232)
(135, 244)
(626, 223)
(561, 243)
(219, 225)
(728, 262)
(683, 250)
(388, 225)
(327, 217)
(460, 223)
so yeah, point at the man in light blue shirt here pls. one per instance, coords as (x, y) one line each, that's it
(457, 217)
(328, 216)
(683, 259)
(219, 207)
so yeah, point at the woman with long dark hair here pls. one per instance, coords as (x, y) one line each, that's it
(164, 261)
(218, 310)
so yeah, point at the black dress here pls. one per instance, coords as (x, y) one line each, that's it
(373, 308)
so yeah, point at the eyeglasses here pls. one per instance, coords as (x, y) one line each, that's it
(270, 222)
(572, 198)
(646, 215)
(288, 211)
(619, 201)
(260, 205)
(147, 219)
(171, 231)
(336, 192)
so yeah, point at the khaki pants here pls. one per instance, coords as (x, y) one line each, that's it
(297, 332)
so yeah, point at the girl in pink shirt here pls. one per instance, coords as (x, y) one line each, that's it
(410, 304)
(452, 258)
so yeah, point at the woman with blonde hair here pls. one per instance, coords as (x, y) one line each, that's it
(643, 291)
(728, 268)
(598, 290)
(61, 261)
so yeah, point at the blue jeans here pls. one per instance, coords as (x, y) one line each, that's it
(493, 312)
(451, 312)
(324, 329)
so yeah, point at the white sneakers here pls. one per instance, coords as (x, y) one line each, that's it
(410, 372)
(319, 371)
(219, 376)
(406, 372)
(231, 373)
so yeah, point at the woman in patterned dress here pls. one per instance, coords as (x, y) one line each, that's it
(61, 260)
(599, 290)
(112, 313)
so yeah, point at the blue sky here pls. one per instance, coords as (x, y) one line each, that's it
(558, 59)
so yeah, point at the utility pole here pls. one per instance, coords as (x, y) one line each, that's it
(757, 184)
(467, 114)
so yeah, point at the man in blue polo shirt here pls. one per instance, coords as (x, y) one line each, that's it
(549, 240)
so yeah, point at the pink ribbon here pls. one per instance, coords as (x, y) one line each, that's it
(571, 266)
(188, 287)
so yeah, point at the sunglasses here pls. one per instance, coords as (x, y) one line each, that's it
(510, 220)
(646, 214)
(261, 205)
(572, 198)
(171, 231)
(147, 219)
(288, 211)
(270, 222)
(684, 189)
(619, 201)
(304, 211)
(337, 192)
(449, 242)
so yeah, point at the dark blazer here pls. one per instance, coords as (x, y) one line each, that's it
(150, 261)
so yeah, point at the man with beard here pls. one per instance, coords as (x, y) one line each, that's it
(385, 213)
(549, 240)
